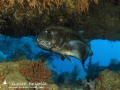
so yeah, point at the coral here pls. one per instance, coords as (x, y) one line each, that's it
(82, 5)
(26, 12)
(36, 71)
(63, 77)
(67, 77)
(93, 70)
(114, 65)
(1, 79)
(51, 87)
(91, 84)
(12, 77)
(30, 8)
(75, 73)
(10, 74)
(14, 80)
(29, 17)
(4, 71)
(108, 80)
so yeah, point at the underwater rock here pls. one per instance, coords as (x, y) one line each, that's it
(52, 87)
(28, 17)
(11, 77)
(108, 80)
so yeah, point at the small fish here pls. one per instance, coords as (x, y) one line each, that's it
(65, 42)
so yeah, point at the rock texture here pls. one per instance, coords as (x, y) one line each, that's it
(100, 19)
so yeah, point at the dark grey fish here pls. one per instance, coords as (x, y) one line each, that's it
(65, 42)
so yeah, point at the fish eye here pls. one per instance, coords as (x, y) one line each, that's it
(49, 32)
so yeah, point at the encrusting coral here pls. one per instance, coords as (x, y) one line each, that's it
(10, 74)
(39, 6)
(36, 71)
(27, 74)
(4, 71)
(108, 80)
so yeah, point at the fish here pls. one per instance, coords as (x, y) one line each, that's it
(64, 42)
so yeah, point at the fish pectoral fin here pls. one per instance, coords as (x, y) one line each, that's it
(65, 56)
(62, 57)
(68, 58)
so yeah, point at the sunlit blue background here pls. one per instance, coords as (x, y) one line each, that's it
(103, 51)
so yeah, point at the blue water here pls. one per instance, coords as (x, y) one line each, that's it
(103, 51)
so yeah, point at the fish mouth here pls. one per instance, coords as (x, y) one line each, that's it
(43, 44)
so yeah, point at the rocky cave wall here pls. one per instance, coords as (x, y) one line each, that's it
(100, 19)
